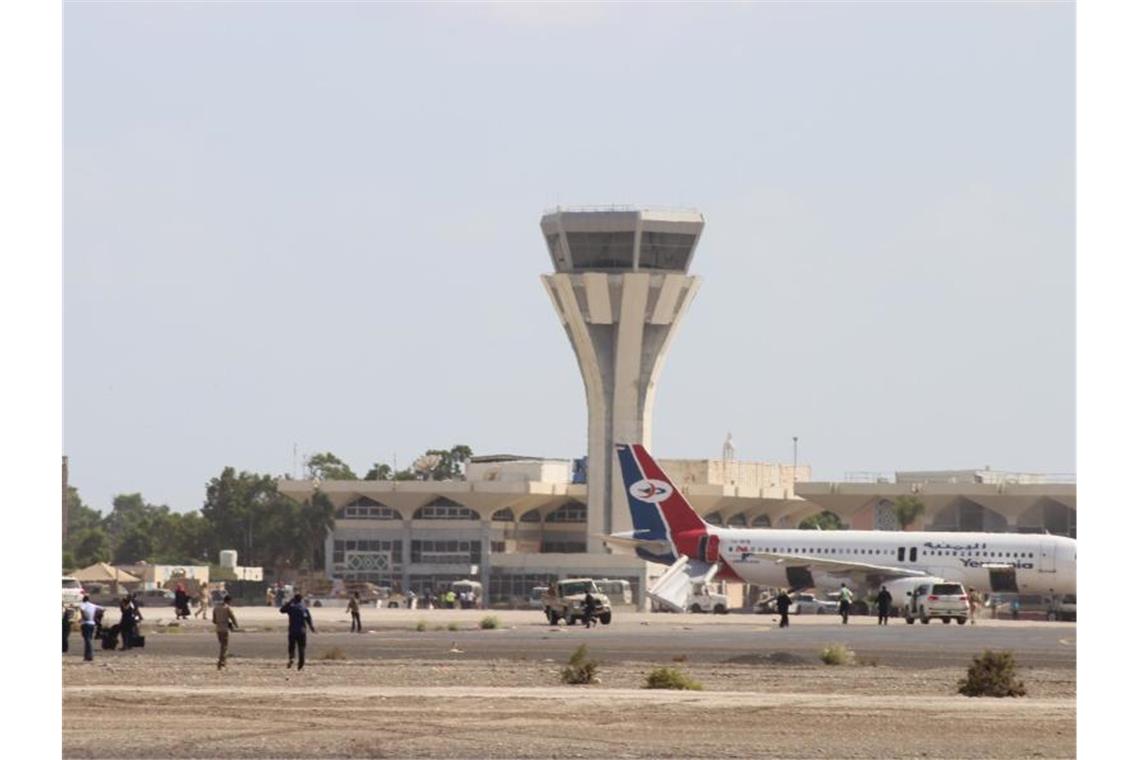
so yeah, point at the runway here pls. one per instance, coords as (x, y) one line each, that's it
(632, 637)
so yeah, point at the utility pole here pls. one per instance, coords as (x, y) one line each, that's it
(795, 461)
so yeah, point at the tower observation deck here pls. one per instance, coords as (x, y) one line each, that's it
(620, 287)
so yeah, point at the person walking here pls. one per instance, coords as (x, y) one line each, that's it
(224, 622)
(268, 596)
(589, 606)
(411, 599)
(354, 608)
(88, 613)
(844, 601)
(299, 617)
(203, 602)
(783, 602)
(972, 600)
(884, 602)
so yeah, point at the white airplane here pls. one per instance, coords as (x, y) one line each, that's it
(667, 530)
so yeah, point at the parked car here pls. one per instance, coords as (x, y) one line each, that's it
(154, 597)
(1067, 609)
(940, 599)
(810, 604)
(768, 607)
(72, 591)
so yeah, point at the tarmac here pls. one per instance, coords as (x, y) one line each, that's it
(644, 637)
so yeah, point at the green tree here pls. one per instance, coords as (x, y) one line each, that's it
(328, 466)
(87, 540)
(822, 520)
(907, 510)
(444, 464)
(316, 520)
(379, 471)
(90, 546)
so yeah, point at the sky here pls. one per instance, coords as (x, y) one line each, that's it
(316, 226)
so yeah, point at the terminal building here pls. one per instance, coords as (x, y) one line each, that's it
(620, 288)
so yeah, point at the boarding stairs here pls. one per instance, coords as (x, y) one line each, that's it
(674, 589)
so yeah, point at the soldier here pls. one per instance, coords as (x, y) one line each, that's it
(299, 617)
(224, 620)
(354, 608)
(589, 606)
(783, 602)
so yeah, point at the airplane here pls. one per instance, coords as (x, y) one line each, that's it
(667, 530)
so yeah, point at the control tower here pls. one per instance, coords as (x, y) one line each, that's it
(620, 287)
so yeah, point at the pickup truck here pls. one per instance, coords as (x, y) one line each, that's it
(566, 599)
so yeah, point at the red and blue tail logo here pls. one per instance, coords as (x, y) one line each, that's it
(659, 511)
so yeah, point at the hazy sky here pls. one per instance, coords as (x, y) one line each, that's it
(317, 224)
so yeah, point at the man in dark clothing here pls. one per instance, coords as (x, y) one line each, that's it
(127, 622)
(783, 602)
(299, 617)
(884, 602)
(67, 615)
(354, 608)
(590, 605)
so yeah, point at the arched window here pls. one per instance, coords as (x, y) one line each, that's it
(442, 508)
(737, 521)
(364, 508)
(761, 521)
(532, 516)
(503, 515)
(571, 512)
(714, 519)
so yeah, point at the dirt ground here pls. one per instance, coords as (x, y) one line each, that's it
(770, 706)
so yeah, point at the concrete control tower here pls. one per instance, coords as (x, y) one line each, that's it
(620, 287)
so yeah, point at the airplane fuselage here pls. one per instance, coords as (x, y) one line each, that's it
(989, 562)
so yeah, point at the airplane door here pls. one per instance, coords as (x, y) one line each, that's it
(1048, 562)
(712, 549)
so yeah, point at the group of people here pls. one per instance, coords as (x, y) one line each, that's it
(182, 602)
(882, 602)
(126, 631)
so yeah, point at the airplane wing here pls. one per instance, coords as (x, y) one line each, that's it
(630, 540)
(835, 566)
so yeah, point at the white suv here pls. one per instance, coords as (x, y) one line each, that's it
(72, 591)
(938, 599)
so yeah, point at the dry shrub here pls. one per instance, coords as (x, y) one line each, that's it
(579, 670)
(993, 674)
(336, 653)
(490, 623)
(837, 654)
(671, 678)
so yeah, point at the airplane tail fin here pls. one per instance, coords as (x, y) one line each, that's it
(659, 511)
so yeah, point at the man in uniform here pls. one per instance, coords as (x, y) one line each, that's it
(783, 602)
(224, 620)
(354, 608)
(299, 617)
